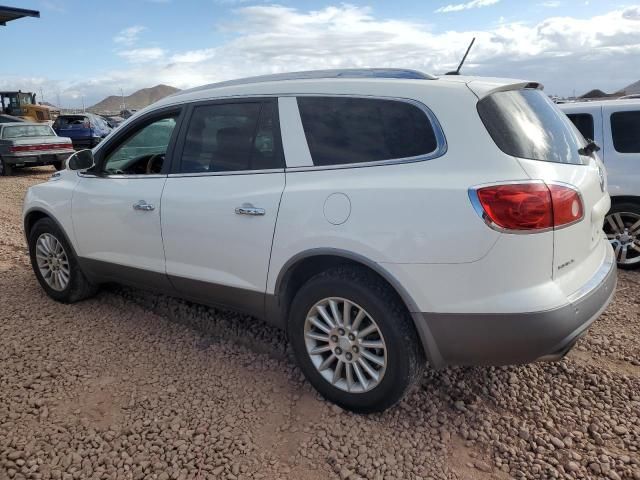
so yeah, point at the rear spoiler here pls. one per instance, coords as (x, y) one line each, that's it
(484, 88)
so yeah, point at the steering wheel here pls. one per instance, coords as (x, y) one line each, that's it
(151, 163)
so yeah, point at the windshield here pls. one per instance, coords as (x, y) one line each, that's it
(526, 124)
(21, 131)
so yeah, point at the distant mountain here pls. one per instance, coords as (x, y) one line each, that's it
(597, 93)
(135, 101)
(633, 88)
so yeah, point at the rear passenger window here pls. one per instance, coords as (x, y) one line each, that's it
(625, 130)
(584, 123)
(231, 137)
(355, 130)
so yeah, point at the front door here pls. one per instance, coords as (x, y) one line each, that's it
(220, 205)
(116, 207)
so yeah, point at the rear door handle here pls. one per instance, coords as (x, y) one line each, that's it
(143, 206)
(248, 209)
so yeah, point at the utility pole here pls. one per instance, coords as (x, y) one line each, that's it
(41, 96)
(124, 105)
(83, 110)
(58, 100)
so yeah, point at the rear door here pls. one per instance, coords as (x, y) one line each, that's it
(526, 124)
(220, 204)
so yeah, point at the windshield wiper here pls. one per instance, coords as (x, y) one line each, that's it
(590, 148)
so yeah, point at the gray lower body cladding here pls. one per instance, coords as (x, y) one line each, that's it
(514, 338)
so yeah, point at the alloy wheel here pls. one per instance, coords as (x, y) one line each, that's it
(345, 345)
(53, 262)
(623, 231)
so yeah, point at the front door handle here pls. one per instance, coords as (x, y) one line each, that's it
(144, 206)
(248, 209)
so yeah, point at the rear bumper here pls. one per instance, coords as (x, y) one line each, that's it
(36, 160)
(86, 142)
(506, 339)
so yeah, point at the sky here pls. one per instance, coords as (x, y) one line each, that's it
(82, 50)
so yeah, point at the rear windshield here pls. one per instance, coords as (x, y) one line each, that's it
(21, 131)
(526, 124)
(70, 121)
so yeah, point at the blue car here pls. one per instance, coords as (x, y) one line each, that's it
(85, 130)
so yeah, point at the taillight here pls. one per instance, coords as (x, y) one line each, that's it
(567, 205)
(533, 206)
(41, 147)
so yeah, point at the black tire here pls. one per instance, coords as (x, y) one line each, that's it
(405, 358)
(78, 287)
(6, 170)
(58, 165)
(631, 213)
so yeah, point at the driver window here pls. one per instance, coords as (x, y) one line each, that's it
(143, 152)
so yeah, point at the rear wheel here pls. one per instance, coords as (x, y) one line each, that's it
(55, 264)
(622, 226)
(354, 340)
(5, 168)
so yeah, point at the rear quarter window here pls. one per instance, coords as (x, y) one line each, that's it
(625, 131)
(348, 130)
(526, 124)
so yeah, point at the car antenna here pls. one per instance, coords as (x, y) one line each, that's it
(457, 70)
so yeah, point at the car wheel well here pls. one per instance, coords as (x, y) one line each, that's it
(306, 268)
(31, 219)
(625, 199)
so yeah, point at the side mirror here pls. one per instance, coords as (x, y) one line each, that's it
(81, 160)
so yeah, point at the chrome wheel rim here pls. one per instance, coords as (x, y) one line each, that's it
(52, 262)
(345, 345)
(623, 231)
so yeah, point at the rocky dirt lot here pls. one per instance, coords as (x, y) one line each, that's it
(132, 385)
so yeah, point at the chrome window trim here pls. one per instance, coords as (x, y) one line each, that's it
(124, 175)
(221, 174)
(477, 206)
(441, 140)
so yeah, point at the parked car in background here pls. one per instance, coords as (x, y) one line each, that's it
(614, 125)
(113, 121)
(382, 217)
(86, 130)
(4, 118)
(24, 144)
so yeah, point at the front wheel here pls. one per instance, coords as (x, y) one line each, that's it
(5, 168)
(58, 165)
(622, 226)
(354, 340)
(55, 264)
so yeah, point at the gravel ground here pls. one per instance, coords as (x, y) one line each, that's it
(133, 385)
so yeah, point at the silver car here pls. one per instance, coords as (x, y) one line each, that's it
(25, 144)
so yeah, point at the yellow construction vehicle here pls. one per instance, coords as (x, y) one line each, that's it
(23, 104)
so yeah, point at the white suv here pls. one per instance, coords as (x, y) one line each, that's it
(382, 217)
(615, 126)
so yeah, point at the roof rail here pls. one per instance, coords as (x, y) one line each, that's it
(400, 73)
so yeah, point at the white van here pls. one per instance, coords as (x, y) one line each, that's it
(615, 126)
